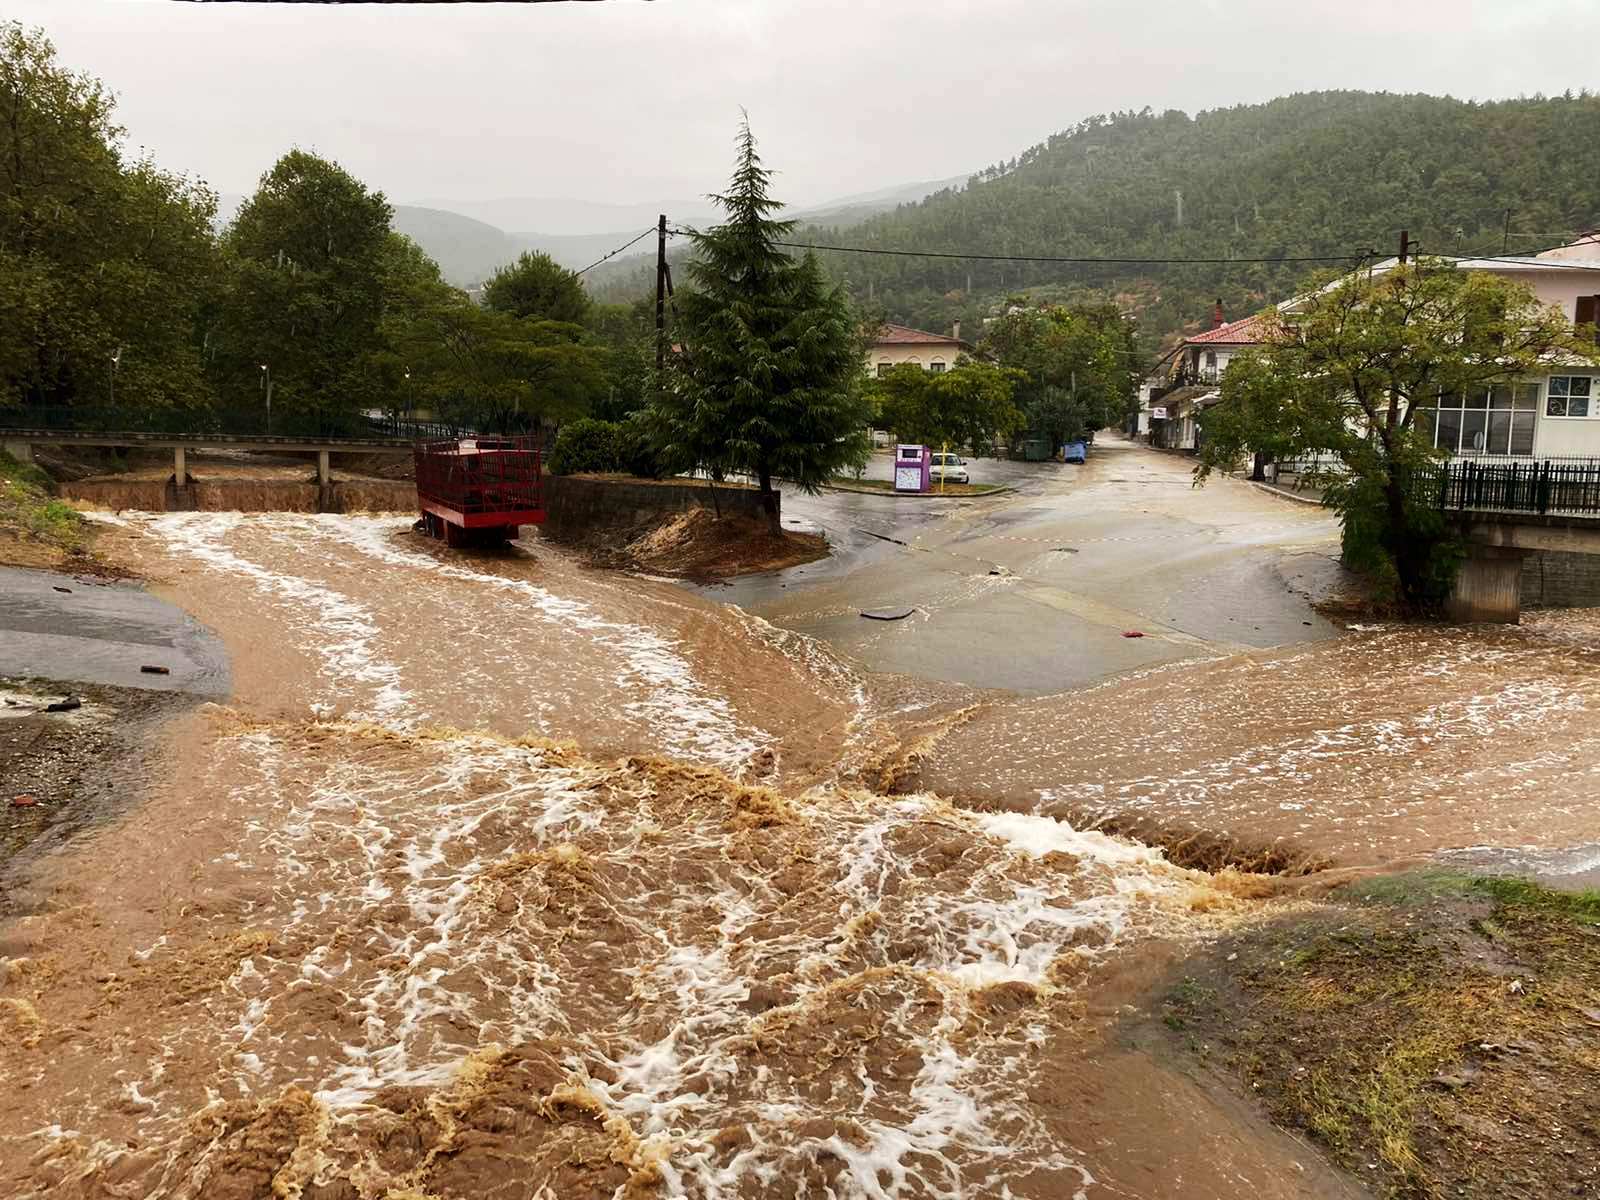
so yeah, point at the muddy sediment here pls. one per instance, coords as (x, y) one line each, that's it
(1436, 1033)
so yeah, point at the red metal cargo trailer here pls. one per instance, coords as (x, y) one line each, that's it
(475, 491)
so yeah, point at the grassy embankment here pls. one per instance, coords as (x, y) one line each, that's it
(1436, 1033)
(36, 529)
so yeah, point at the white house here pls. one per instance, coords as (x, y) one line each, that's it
(900, 345)
(1171, 401)
(1554, 414)
(1551, 415)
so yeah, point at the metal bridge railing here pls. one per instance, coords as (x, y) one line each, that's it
(1569, 486)
(223, 422)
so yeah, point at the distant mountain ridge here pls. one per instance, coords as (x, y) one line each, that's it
(469, 247)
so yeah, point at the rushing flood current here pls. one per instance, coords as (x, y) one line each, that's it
(446, 963)
(500, 877)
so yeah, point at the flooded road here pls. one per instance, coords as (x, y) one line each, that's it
(1389, 742)
(1033, 592)
(80, 630)
(498, 876)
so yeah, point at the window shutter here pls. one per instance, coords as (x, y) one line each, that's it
(1588, 311)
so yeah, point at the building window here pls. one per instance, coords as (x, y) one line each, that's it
(936, 366)
(1485, 420)
(1569, 396)
(884, 368)
(1211, 364)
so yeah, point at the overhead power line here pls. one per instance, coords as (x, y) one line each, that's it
(1053, 258)
(617, 251)
(1360, 256)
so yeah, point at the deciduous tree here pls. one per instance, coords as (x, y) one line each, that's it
(537, 286)
(105, 264)
(1355, 371)
(969, 405)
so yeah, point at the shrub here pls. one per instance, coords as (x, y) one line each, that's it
(588, 446)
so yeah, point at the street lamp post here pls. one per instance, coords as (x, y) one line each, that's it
(266, 383)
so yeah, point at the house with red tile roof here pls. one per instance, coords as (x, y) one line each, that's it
(900, 345)
(1170, 405)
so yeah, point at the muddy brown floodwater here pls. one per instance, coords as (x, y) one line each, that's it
(501, 877)
(1389, 742)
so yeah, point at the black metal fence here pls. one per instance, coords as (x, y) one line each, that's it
(226, 422)
(1548, 485)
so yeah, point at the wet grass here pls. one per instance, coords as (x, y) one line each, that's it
(1436, 1032)
(27, 506)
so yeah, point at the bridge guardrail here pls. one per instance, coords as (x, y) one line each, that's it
(1547, 486)
(223, 422)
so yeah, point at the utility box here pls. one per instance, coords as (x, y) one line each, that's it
(912, 467)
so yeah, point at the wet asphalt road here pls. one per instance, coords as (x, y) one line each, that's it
(74, 630)
(1034, 590)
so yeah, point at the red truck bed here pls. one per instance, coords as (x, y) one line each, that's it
(480, 486)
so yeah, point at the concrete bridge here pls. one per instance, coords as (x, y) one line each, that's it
(1551, 559)
(1532, 530)
(19, 444)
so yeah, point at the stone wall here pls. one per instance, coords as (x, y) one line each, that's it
(576, 505)
(1560, 579)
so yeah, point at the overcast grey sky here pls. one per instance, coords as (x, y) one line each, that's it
(635, 103)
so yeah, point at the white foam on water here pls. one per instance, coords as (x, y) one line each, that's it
(1040, 835)
(667, 696)
(344, 630)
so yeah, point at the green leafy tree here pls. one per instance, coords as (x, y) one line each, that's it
(106, 266)
(537, 286)
(1079, 365)
(1261, 414)
(968, 405)
(769, 381)
(311, 255)
(627, 335)
(1355, 372)
(484, 369)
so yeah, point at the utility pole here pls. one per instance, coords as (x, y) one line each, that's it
(661, 297)
(1405, 246)
(1505, 238)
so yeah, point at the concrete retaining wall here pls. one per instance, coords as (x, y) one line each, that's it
(1559, 579)
(244, 495)
(578, 504)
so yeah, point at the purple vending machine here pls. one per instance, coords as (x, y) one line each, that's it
(911, 468)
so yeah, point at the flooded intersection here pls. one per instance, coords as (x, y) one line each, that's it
(505, 877)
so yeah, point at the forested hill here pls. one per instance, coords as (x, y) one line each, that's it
(1316, 173)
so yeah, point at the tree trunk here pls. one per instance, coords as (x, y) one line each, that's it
(769, 502)
(1403, 545)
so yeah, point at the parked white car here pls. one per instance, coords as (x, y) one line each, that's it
(951, 468)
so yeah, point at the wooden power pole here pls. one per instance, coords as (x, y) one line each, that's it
(661, 296)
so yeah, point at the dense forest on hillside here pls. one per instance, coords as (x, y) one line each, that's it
(1325, 173)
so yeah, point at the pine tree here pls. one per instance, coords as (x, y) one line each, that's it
(769, 380)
